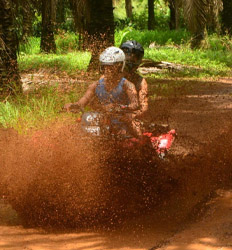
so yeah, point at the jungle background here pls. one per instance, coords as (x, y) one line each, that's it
(58, 192)
(66, 37)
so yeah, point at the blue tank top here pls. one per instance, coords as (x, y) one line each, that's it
(116, 95)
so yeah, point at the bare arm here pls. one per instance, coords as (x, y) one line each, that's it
(87, 97)
(89, 94)
(143, 99)
(132, 95)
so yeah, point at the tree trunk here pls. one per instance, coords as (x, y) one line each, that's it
(172, 22)
(128, 5)
(226, 16)
(174, 6)
(213, 22)
(27, 12)
(195, 12)
(60, 14)
(94, 21)
(151, 15)
(177, 14)
(81, 15)
(48, 25)
(9, 75)
(99, 28)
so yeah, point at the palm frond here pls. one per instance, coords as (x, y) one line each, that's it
(215, 8)
(195, 12)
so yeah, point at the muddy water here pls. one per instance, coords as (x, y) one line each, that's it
(81, 193)
(58, 178)
(85, 198)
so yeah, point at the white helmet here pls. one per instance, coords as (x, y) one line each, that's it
(111, 56)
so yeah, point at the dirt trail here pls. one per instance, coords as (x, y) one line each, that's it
(201, 115)
(212, 232)
(200, 111)
(132, 236)
(209, 233)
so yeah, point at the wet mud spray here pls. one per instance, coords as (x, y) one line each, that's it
(58, 178)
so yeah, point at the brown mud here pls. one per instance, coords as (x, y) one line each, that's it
(70, 194)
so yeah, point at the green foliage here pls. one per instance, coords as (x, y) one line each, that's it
(31, 47)
(162, 14)
(140, 20)
(172, 46)
(37, 25)
(140, 15)
(65, 62)
(35, 110)
(216, 42)
(68, 25)
(204, 62)
(27, 111)
(159, 37)
(66, 42)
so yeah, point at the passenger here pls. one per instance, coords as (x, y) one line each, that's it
(134, 53)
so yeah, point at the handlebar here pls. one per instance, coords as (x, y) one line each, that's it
(116, 110)
(73, 108)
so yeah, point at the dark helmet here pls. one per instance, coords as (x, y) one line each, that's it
(133, 47)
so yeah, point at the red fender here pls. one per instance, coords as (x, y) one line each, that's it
(163, 142)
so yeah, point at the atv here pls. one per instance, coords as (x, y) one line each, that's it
(108, 126)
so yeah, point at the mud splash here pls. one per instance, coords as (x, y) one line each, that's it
(54, 178)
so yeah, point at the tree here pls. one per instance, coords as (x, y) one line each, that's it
(100, 28)
(151, 15)
(61, 11)
(213, 22)
(94, 21)
(197, 13)
(226, 16)
(174, 6)
(48, 24)
(27, 14)
(9, 75)
(128, 5)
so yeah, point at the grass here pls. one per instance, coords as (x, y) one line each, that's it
(146, 37)
(172, 46)
(37, 109)
(69, 62)
(205, 62)
(32, 46)
(65, 43)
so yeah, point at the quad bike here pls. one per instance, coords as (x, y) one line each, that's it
(109, 126)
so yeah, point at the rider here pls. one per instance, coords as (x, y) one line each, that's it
(113, 92)
(134, 54)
